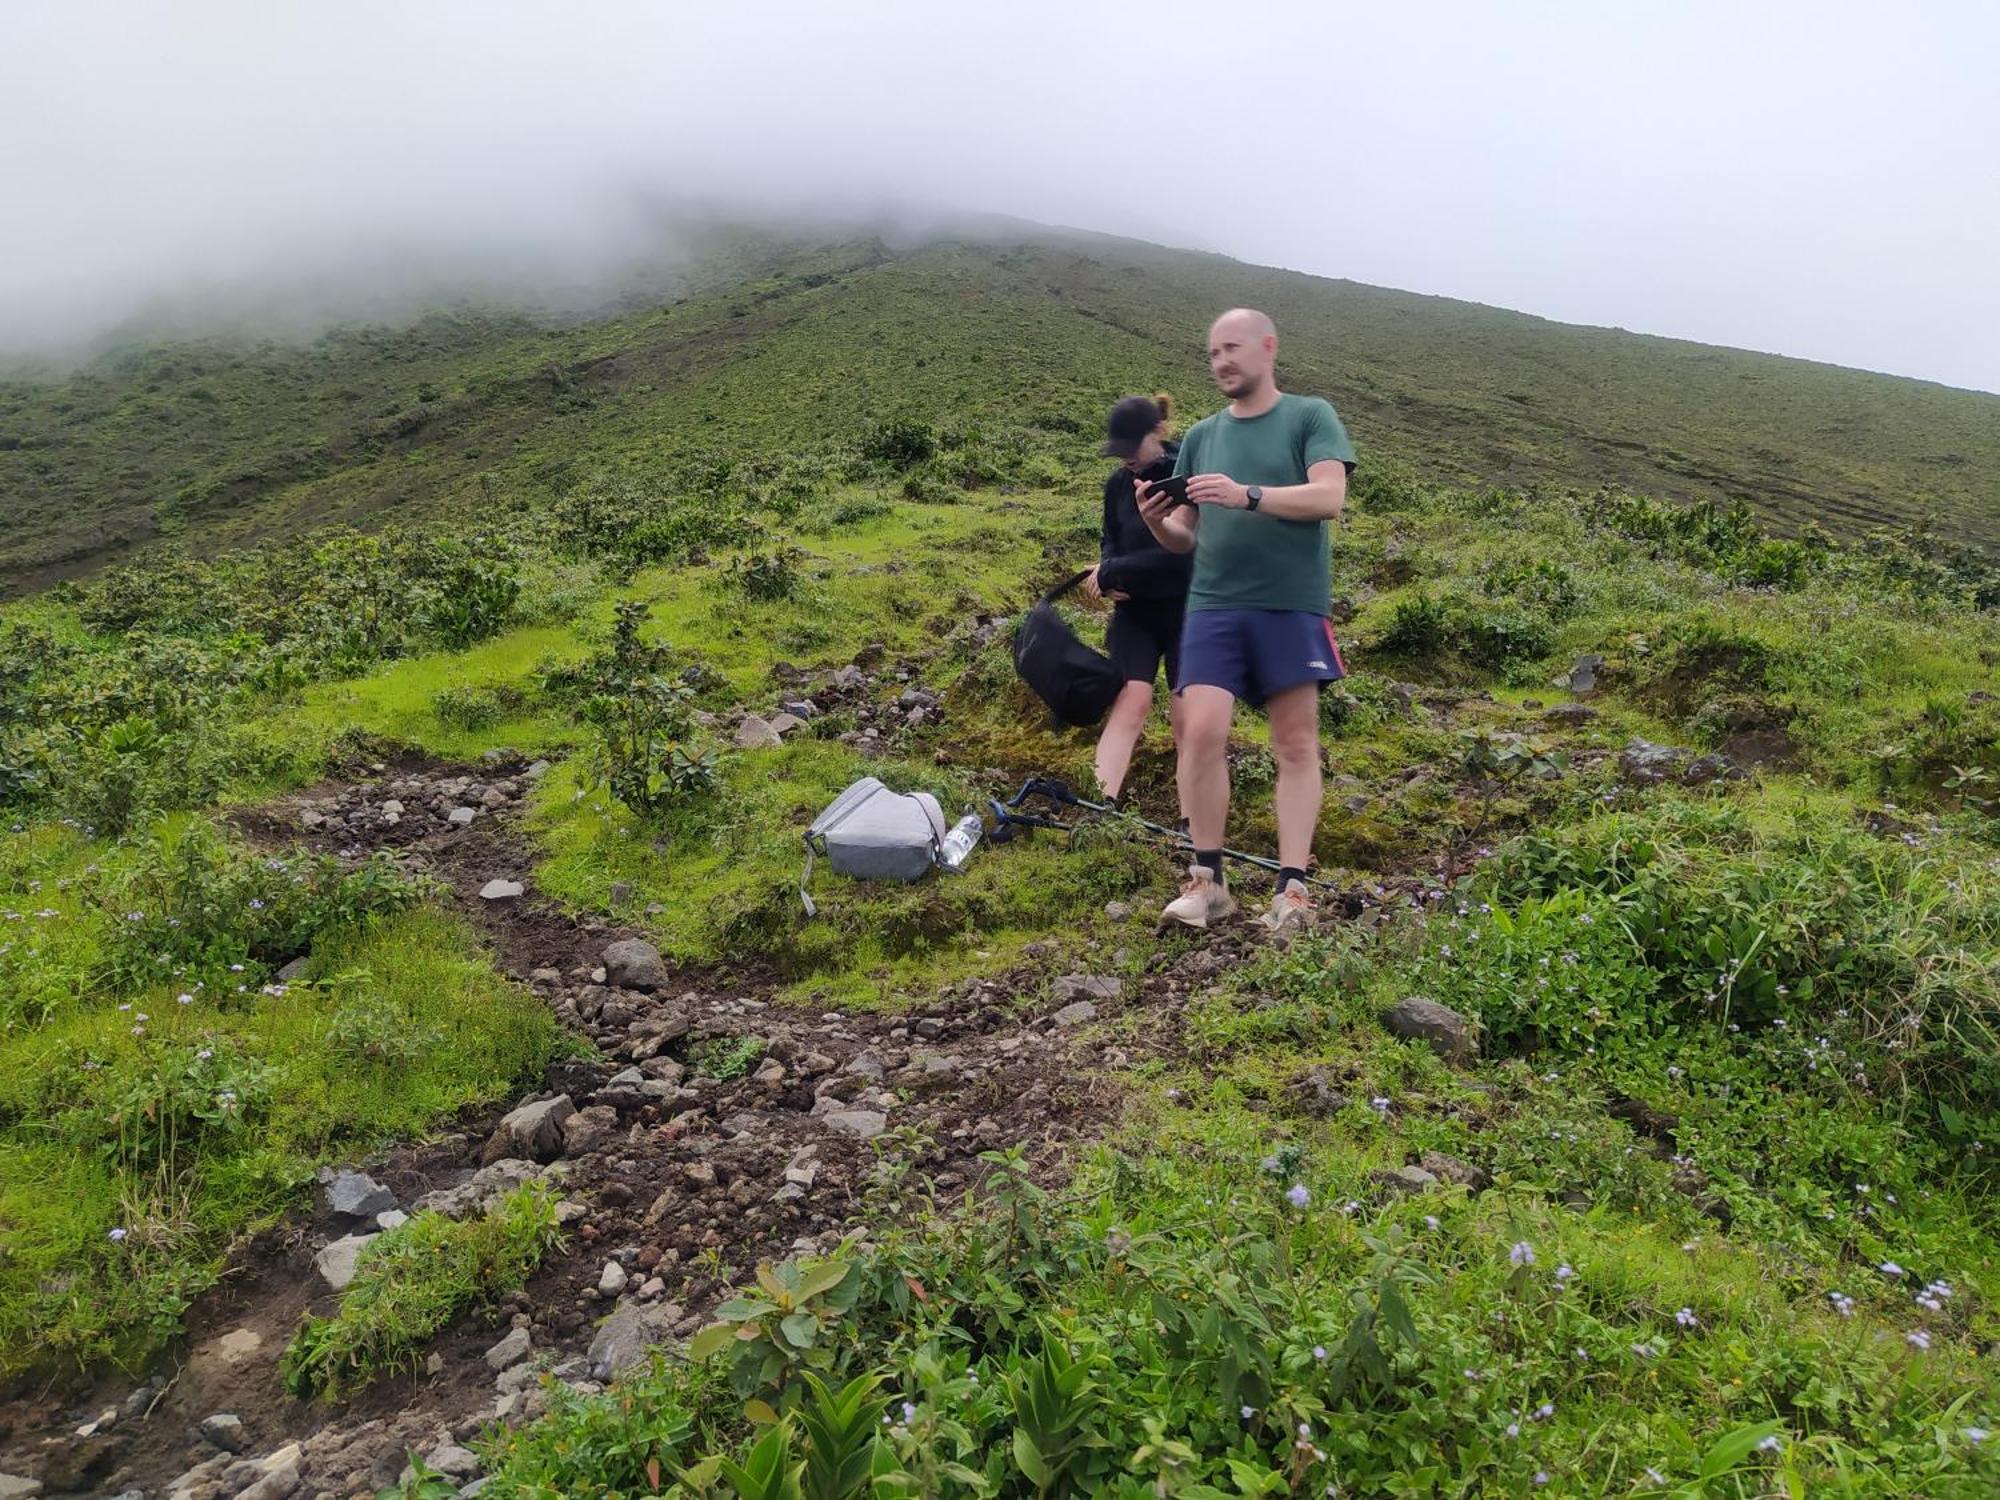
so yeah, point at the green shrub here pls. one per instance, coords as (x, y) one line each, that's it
(410, 1283)
(765, 576)
(644, 746)
(625, 1443)
(1420, 626)
(1487, 634)
(464, 706)
(1548, 587)
(161, 1105)
(1559, 972)
(191, 910)
(901, 442)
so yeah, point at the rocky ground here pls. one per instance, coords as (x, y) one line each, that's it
(715, 1128)
(719, 1128)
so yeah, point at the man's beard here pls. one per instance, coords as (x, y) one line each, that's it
(1239, 387)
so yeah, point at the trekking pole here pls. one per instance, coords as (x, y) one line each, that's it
(1060, 793)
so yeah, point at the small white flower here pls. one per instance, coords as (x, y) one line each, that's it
(1890, 1268)
(1975, 1435)
(1249, 1412)
(1917, 1339)
(1298, 1195)
(1513, 1429)
(1430, 1221)
(117, 1234)
(1686, 1318)
(1319, 1351)
(1523, 1253)
(1770, 1444)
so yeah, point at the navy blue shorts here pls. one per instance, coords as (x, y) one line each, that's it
(1256, 654)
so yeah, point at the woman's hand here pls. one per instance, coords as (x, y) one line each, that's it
(1163, 518)
(1093, 590)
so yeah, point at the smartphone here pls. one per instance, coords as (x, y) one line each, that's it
(1175, 489)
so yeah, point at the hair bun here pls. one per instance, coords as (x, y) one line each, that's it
(1165, 404)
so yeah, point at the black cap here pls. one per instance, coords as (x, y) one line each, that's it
(1131, 420)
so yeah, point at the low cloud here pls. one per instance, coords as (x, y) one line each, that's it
(1794, 178)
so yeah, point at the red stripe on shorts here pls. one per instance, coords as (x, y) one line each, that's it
(1335, 647)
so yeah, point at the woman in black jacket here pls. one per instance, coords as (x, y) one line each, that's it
(1147, 584)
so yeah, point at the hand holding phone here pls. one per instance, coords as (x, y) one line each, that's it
(1174, 490)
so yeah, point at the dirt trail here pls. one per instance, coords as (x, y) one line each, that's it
(678, 1176)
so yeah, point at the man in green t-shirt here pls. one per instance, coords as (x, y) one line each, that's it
(1266, 475)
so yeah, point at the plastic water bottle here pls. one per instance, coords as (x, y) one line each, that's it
(958, 844)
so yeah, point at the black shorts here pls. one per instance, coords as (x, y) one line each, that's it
(1141, 633)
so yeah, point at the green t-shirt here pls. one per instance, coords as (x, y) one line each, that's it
(1245, 559)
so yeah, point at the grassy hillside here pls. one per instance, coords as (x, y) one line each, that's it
(1693, 1198)
(774, 345)
(1708, 1214)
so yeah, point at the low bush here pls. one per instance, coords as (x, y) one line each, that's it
(190, 910)
(901, 442)
(644, 746)
(1489, 635)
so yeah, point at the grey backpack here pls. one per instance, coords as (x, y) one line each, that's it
(872, 833)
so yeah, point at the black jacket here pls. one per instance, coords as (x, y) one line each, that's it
(1130, 558)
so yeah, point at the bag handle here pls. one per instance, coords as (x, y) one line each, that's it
(805, 878)
(1065, 586)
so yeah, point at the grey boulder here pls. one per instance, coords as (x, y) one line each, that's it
(356, 1195)
(1419, 1018)
(623, 1339)
(534, 1131)
(337, 1262)
(634, 964)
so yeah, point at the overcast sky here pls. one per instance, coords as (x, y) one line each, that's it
(1817, 179)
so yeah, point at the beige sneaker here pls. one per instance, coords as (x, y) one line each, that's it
(1203, 899)
(1291, 911)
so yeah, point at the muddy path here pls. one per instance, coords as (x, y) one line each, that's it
(713, 1128)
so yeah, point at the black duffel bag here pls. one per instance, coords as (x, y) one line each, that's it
(1077, 682)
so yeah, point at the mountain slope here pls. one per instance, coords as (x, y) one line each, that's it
(786, 343)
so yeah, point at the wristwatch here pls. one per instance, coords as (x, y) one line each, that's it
(1253, 496)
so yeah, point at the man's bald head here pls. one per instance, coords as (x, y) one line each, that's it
(1246, 321)
(1242, 353)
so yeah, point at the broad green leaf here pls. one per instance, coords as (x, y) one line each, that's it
(1028, 1458)
(800, 1329)
(823, 1277)
(1733, 1446)
(711, 1341)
